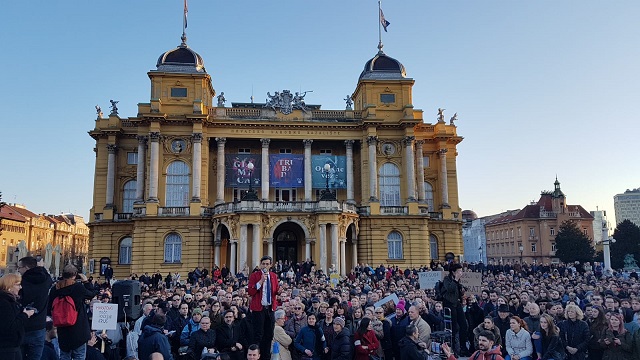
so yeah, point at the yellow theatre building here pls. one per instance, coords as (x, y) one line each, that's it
(189, 182)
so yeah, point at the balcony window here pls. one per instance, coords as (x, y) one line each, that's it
(394, 244)
(389, 178)
(177, 193)
(128, 196)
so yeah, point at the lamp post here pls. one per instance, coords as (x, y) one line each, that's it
(251, 194)
(607, 253)
(521, 248)
(326, 193)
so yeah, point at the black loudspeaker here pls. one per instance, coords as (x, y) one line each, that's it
(126, 293)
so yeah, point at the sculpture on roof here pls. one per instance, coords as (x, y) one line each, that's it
(441, 114)
(285, 102)
(114, 107)
(98, 111)
(453, 118)
(349, 102)
(298, 101)
(221, 99)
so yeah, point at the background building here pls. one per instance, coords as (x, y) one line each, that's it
(474, 234)
(191, 182)
(627, 206)
(69, 231)
(529, 234)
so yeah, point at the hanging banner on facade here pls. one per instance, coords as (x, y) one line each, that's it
(286, 170)
(237, 170)
(337, 174)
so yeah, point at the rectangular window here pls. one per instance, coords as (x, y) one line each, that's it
(286, 194)
(519, 231)
(178, 92)
(387, 98)
(285, 151)
(132, 158)
(533, 247)
(532, 232)
(238, 193)
(553, 246)
(244, 151)
(325, 151)
(425, 161)
(552, 231)
(584, 231)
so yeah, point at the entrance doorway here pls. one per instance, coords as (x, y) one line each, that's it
(287, 247)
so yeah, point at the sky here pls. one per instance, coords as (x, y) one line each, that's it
(542, 88)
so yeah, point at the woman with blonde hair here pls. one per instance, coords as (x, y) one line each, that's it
(574, 333)
(13, 317)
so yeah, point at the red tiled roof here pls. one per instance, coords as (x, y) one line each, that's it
(533, 211)
(10, 213)
(24, 212)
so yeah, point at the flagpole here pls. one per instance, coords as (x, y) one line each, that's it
(379, 27)
(184, 23)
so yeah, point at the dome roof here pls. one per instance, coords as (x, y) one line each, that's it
(382, 66)
(181, 59)
(469, 215)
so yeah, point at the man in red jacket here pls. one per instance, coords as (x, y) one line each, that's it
(263, 288)
(486, 349)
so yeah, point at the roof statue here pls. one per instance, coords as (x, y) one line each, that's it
(453, 119)
(221, 99)
(98, 111)
(114, 107)
(286, 102)
(349, 102)
(441, 115)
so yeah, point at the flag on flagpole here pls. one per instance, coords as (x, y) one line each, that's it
(186, 10)
(384, 21)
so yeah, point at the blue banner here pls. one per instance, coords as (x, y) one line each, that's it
(337, 173)
(237, 170)
(286, 170)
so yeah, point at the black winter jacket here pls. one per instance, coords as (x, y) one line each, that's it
(410, 350)
(341, 347)
(575, 334)
(200, 340)
(153, 340)
(36, 284)
(71, 337)
(12, 324)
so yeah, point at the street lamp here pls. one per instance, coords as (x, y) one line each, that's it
(521, 248)
(251, 194)
(326, 193)
(607, 253)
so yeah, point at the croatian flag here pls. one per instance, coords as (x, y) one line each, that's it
(383, 21)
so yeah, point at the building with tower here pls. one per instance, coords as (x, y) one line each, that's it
(528, 235)
(190, 182)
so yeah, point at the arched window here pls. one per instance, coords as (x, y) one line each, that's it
(126, 245)
(173, 248)
(177, 193)
(428, 195)
(394, 243)
(389, 185)
(128, 196)
(433, 246)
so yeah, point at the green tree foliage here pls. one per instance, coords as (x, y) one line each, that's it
(572, 244)
(627, 235)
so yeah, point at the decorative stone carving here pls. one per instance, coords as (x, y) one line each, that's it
(232, 224)
(349, 143)
(265, 142)
(408, 140)
(111, 148)
(221, 140)
(154, 136)
(349, 103)
(114, 107)
(307, 142)
(196, 137)
(372, 140)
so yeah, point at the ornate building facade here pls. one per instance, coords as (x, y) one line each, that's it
(189, 183)
(528, 235)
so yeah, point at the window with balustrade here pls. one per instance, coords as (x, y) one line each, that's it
(126, 247)
(394, 244)
(173, 248)
(389, 178)
(128, 196)
(177, 192)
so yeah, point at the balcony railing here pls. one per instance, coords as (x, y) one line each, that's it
(173, 211)
(394, 210)
(123, 216)
(97, 217)
(139, 211)
(435, 215)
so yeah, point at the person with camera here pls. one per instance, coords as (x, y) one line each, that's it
(617, 340)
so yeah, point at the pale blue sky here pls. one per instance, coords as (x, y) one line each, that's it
(540, 87)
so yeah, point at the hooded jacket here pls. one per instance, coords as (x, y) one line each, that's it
(12, 324)
(36, 283)
(71, 337)
(341, 348)
(153, 340)
(410, 350)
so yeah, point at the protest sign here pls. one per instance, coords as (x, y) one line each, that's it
(105, 316)
(428, 279)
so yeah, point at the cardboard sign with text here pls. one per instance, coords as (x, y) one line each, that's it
(471, 280)
(105, 316)
(428, 279)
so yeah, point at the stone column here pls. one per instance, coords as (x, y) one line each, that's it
(343, 257)
(323, 247)
(334, 246)
(233, 262)
(216, 251)
(420, 172)
(354, 252)
(153, 166)
(349, 146)
(111, 174)
(220, 169)
(307, 169)
(373, 168)
(142, 146)
(443, 178)
(307, 248)
(243, 247)
(409, 164)
(270, 247)
(264, 181)
(197, 166)
(256, 246)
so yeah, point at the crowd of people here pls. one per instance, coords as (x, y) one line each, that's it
(293, 312)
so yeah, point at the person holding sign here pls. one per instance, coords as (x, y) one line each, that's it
(452, 292)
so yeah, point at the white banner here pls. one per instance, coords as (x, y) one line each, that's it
(105, 316)
(428, 279)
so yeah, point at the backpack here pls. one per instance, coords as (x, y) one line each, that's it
(64, 312)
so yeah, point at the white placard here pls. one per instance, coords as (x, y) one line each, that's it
(392, 297)
(429, 279)
(105, 316)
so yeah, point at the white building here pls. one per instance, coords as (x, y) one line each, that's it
(600, 225)
(627, 206)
